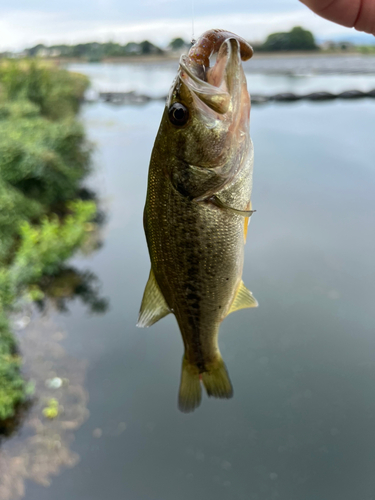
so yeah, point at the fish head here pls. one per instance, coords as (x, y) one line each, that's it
(208, 108)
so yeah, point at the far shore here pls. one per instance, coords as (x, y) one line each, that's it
(160, 59)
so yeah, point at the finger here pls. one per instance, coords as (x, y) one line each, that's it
(359, 14)
(366, 17)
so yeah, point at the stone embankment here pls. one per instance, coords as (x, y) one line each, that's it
(133, 98)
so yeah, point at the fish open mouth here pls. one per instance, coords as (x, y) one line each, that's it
(218, 86)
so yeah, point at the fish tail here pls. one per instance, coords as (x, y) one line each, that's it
(190, 394)
(216, 380)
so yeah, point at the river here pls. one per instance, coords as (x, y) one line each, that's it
(301, 424)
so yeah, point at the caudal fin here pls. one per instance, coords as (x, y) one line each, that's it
(216, 380)
(190, 394)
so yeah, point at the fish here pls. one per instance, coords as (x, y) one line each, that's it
(198, 206)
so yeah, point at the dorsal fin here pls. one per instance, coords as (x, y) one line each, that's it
(243, 299)
(154, 306)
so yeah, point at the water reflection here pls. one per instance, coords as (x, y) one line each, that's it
(10, 426)
(42, 447)
(302, 423)
(69, 284)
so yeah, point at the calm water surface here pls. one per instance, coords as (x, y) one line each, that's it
(290, 74)
(301, 424)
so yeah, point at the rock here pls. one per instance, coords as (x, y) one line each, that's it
(259, 99)
(351, 94)
(54, 383)
(285, 96)
(97, 433)
(320, 96)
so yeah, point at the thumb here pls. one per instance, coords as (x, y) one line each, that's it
(359, 14)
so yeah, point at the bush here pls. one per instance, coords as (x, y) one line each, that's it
(14, 208)
(42, 248)
(41, 251)
(44, 156)
(12, 385)
(56, 92)
(43, 160)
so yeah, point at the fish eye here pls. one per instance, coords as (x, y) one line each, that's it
(178, 114)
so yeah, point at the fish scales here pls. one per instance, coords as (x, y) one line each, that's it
(207, 272)
(196, 216)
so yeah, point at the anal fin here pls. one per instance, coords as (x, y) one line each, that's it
(243, 299)
(154, 306)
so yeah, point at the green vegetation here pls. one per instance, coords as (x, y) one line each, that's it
(95, 51)
(296, 39)
(366, 49)
(178, 44)
(12, 386)
(44, 156)
(56, 93)
(52, 409)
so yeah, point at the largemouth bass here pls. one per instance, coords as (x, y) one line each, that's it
(198, 207)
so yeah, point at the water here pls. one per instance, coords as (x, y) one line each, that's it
(267, 75)
(301, 423)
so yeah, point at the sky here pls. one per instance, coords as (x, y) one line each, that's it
(24, 23)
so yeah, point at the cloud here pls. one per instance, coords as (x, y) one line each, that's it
(26, 28)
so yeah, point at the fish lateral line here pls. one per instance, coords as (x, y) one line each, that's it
(214, 200)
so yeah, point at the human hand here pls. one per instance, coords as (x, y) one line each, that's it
(359, 14)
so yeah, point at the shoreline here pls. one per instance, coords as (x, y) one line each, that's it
(165, 59)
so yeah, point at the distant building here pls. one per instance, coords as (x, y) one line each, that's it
(329, 45)
(132, 48)
(54, 52)
(44, 52)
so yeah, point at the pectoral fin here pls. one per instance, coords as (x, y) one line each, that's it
(153, 305)
(247, 221)
(216, 201)
(243, 299)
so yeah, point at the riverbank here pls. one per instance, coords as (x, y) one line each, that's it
(291, 64)
(44, 155)
(174, 57)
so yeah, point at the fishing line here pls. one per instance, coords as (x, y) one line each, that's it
(192, 21)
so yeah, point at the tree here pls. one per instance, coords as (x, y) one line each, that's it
(149, 48)
(34, 50)
(296, 39)
(177, 44)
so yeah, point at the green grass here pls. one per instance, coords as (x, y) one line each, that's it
(366, 49)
